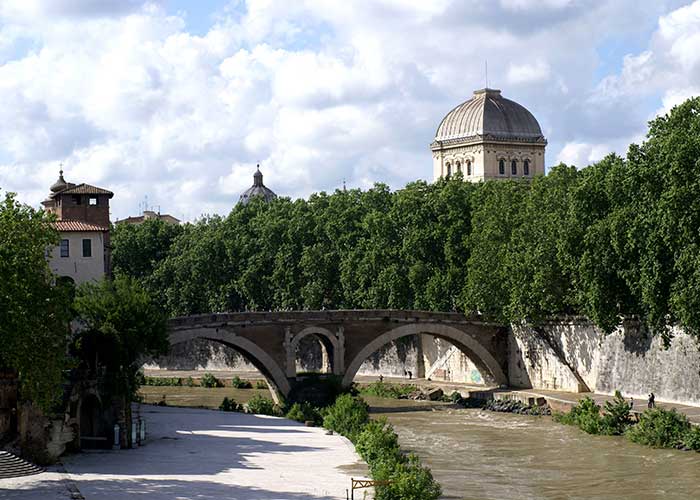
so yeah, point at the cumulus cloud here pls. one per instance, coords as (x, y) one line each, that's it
(316, 91)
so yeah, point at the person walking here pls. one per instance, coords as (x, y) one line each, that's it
(652, 402)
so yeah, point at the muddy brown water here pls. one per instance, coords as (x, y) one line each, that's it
(480, 455)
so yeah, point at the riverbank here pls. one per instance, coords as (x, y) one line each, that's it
(194, 453)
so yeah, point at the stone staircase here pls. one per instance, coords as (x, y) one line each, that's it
(13, 466)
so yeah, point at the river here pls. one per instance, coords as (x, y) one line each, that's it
(480, 455)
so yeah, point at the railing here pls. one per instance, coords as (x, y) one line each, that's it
(358, 484)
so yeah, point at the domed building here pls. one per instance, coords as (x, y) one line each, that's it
(488, 137)
(257, 189)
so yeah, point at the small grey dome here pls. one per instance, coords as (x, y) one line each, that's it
(488, 114)
(257, 189)
(60, 184)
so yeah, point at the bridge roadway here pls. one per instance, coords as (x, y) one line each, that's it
(269, 339)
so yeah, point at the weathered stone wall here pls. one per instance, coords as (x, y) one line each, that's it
(574, 355)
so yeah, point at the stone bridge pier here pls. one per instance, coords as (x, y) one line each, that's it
(269, 340)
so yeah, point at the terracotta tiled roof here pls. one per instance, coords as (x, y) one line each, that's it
(76, 225)
(85, 189)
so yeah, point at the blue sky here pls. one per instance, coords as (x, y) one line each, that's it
(178, 100)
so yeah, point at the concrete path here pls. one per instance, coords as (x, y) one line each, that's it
(205, 455)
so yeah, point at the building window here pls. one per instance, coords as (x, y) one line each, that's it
(514, 167)
(458, 167)
(526, 167)
(501, 166)
(469, 167)
(93, 201)
(449, 170)
(87, 248)
(65, 248)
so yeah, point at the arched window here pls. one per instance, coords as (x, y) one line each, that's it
(501, 166)
(449, 170)
(526, 167)
(469, 167)
(458, 167)
(514, 167)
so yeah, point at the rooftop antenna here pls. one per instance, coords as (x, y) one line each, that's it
(486, 71)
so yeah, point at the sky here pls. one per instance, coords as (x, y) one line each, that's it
(170, 104)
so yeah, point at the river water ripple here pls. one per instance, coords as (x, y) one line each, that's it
(480, 455)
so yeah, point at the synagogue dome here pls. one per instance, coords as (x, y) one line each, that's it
(257, 189)
(488, 115)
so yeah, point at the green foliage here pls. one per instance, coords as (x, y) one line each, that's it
(262, 406)
(230, 405)
(34, 314)
(189, 382)
(210, 381)
(260, 384)
(586, 415)
(660, 428)
(615, 238)
(691, 438)
(409, 480)
(239, 383)
(120, 325)
(378, 443)
(162, 381)
(347, 416)
(385, 390)
(305, 412)
(616, 416)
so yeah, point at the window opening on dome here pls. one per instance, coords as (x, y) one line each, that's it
(469, 167)
(502, 167)
(526, 167)
(514, 167)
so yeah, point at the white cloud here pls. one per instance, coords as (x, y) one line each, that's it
(317, 91)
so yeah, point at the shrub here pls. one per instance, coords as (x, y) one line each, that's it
(384, 390)
(189, 382)
(239, 383)
(691, 439)
(347, 416)
(378, 443)
(261, 384)
(162, 381)
(586, 415)
(616, 417)
(305, 412)
(262, 406)
(210, 381)
(409, 480)
(229, 405)
(660, 428)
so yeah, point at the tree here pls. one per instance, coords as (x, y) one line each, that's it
(34, 314)
(120, 325)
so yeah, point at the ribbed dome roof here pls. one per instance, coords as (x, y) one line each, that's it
(487, 113)
(257, 189)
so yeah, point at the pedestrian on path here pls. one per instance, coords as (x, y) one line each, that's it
(631, 403)
(652, 402)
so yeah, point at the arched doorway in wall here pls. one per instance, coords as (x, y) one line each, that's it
(490, 371)
(313, 354)
(92, 424)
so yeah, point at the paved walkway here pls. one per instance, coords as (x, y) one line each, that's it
(205, 455)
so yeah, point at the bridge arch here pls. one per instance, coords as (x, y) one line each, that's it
(489, 367)
(256, 355)
(327, 338)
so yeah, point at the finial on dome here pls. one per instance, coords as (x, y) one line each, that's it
(258, 177)
(61, 183)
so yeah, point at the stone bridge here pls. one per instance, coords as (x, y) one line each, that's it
(269, 339)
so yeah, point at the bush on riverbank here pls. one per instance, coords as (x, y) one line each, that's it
(614, 420)
(262, 406)
(238, 383)
(377, 443)
(210, 381)
(230, 405)
(660, 428)
(305, 412)
(162, 381)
